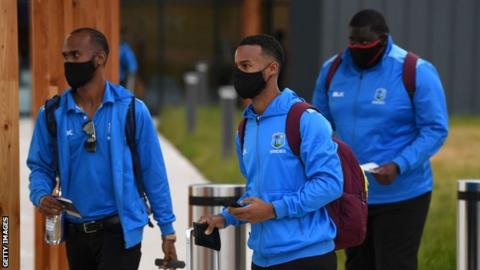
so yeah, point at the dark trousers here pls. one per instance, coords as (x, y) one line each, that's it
(393, 236)
(102, 250)
(323, 262)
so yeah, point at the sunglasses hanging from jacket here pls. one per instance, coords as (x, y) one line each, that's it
(91, 142)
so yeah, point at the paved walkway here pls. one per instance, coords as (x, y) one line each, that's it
(181, 174)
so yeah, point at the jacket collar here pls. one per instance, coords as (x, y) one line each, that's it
(278, 106)
(108, 97)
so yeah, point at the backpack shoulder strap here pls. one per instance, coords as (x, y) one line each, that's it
(130, 131)
(130, 126)
(51, 105)
(409, 74)
(241, 132)
(292, 127)
(331, 71)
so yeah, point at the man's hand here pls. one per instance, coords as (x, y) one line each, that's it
(256, 211)
(213, 221)
(49, 206)
(386, 173)
(168, 247)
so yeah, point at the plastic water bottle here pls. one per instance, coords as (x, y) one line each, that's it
(54, 229)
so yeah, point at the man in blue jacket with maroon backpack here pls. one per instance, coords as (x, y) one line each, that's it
(286, 194)
(389, 106)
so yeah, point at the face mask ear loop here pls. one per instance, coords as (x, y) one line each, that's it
(266, 80)
(93, 61)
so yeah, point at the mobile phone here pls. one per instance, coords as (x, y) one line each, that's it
(233, 203)
(69, 207)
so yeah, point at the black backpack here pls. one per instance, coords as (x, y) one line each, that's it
(51, 106)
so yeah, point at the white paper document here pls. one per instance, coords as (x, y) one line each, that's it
(370, 167)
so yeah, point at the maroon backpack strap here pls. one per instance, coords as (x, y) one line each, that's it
(409, 74)
(292, 127)
(331, 71)
(241, 132)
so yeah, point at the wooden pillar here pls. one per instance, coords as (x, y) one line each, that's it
(9, 144)
(51, 22)
(251, 17)
(251, 25)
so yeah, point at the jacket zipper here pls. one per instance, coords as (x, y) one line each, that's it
(257, 119)
(355, 107)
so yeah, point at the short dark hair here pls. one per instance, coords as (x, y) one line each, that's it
(371, 18)
(269, 46)
(96, 37)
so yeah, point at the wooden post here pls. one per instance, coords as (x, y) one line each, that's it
(251, 17)
(251, 25)
(9, 151)
(51, 22)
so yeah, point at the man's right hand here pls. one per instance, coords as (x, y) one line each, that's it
(49, 206)
(213, 221)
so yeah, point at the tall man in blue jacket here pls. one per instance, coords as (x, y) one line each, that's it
(368, 104)
(95, 164)
(286, 195)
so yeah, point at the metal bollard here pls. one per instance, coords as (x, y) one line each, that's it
(210, 198)
(468, 225)
(191, 84)
(202, 70)
(228, 97)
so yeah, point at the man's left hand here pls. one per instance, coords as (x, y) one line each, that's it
(386, 173)
(168, 247)
(256, 211)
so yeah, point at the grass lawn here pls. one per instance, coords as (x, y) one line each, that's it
(458, 159)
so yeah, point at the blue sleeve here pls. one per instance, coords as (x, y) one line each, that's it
(39, 161)
(229, 219)
(322, 169)
(153, 169)
(320, 96)
(431, 119)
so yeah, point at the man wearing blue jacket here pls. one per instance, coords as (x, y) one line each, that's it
(370, 108)
(286, 195)
(95, 164)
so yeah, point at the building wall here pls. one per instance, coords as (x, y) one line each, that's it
(445, 32)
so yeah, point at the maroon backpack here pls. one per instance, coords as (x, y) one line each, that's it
(349, 212)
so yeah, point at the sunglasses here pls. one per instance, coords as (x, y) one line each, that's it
(91, 142)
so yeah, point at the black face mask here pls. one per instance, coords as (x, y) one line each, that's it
(248, 85)
(366, 56)
(79, 74)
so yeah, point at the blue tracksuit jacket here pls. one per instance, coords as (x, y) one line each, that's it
(298, 192)
(371, 111)
(129, 205)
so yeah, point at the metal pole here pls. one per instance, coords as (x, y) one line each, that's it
(191, 84)
(189, 248)
(211, 198)
(202, 69)
(228, 97)
(468, 224)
